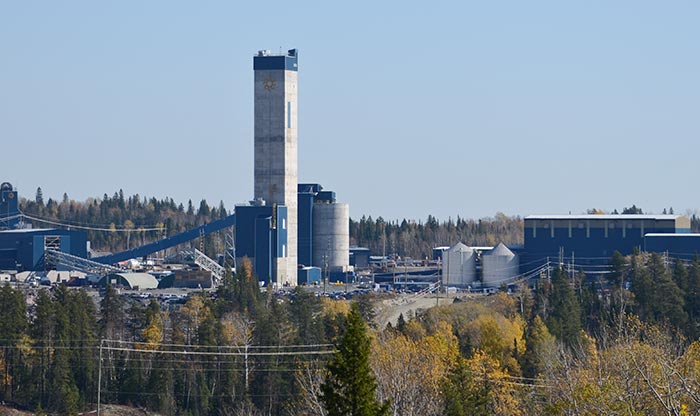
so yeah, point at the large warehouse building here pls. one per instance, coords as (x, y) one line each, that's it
(592, 239)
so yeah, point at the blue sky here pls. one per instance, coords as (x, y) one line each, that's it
(406, 108)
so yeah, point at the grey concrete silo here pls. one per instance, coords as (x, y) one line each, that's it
(499, 266)
(458, 266)
(331, 236)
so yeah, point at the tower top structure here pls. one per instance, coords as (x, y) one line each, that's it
(266, 60)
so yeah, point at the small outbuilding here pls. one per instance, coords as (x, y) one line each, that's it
(133, 281)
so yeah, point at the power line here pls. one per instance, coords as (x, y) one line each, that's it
(210, 353)
(117, 341)
(90, 228)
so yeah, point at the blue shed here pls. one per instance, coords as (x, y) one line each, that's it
(309, 276)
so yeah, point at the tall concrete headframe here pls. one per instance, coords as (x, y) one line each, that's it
(276, 146)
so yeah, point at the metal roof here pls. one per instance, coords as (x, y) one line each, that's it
(694, 235)
(26, 230)
(460, 247)
(500, 250)
(140, 280)
(604, 217)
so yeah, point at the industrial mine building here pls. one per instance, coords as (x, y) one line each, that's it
(292, 232)
(586, 241)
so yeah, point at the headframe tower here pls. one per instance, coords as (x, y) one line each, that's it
(275, 173)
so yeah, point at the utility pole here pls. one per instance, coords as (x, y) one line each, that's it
(99, 379)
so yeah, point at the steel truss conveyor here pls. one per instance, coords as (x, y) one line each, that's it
(172, 241)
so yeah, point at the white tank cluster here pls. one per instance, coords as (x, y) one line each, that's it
(499, 266)
(459, 266)
(331, 236)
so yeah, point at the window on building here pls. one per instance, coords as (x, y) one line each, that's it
(289, 114)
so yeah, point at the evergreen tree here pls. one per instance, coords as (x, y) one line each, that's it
(304, 311)
(401, 323)
(680, 275)
(692, 299)
(112, 322)
(564, 319)
(666, 297)
(42, 332)
(364, 303)
(460, 398)
(13, 326)
(641, 286)
(349, 388)
(64, 395)
(538, 340)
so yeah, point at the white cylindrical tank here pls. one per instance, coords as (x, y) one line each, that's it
(331, 236)
(458, 266)
(499, 266)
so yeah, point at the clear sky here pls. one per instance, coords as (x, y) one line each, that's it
(406, 108)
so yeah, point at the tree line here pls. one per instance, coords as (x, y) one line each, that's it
(133, 213)
(407, 238)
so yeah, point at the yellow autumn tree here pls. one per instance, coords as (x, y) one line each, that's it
(410, 371)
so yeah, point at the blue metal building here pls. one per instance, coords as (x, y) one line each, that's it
(683, 246)
(261, 237)
(23, 249)
(309, 276)
(305, 206)
(591, 239)
(308, 194)
(359, 257)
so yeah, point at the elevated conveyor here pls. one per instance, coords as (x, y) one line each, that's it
(171, 241)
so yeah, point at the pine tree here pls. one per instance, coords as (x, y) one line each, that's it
(349, 388)
(538, 341)
(692, 299)
(667, 298)
(459, 395)
(564, 320)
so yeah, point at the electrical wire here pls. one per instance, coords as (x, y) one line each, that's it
(116, 341)
(237, 354)
(90, 228)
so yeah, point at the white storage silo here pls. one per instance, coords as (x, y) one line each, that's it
(331, 236)
(458, 266)
(499, 266)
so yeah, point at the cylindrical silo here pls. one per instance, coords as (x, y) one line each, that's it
(458, 266)
(499, 266)
(331, 236)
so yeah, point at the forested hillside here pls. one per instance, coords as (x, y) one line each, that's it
(417, 239)
(626, 343)
(119, 212)
(128, 215)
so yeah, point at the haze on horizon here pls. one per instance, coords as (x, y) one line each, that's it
(406, 109)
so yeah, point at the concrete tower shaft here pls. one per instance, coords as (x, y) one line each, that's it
(275, 173)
